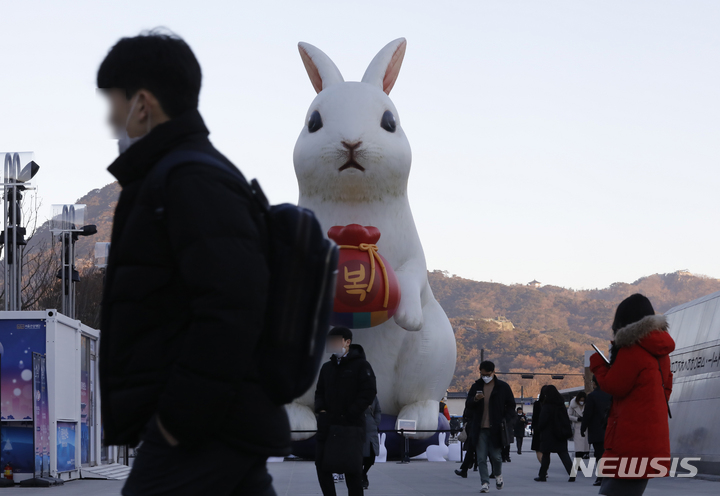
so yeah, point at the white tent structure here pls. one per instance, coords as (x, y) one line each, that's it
(695, 400)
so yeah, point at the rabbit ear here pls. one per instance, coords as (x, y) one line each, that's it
(385, 67)
(322, 71)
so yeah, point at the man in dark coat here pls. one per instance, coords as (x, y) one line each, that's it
(345, 389)
(492, 402)
(185, 295)
(519, 427)
(595, 421)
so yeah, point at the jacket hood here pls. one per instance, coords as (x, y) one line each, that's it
(357, 351)
(651, 333)
(574, 404)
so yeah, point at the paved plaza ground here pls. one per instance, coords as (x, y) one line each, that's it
(438, 479)
(297, 478)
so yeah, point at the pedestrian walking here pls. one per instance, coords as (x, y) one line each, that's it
(182, 311)
(493, 405)
(470, 460)
(575, 412)
(537, 407)
(519, 428)
(554, 429)
(594, 421)
(639, 380)
(371, 449)
(345, 389)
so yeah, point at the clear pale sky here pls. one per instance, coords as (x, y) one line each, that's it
(576, 143)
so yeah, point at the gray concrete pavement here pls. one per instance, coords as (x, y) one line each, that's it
(437, 479)
(73, 488)
(418, 478)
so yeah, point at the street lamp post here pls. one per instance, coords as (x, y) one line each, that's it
(64, 223)
(15, 181)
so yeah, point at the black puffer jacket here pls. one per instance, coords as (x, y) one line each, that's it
(184, 301)
(345, 389)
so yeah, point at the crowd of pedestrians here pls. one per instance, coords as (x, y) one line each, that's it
(636, 378)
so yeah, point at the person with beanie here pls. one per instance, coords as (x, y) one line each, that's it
(639, 379)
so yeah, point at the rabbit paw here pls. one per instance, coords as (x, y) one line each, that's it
(425, 415)
(409, 314)
(302, 418)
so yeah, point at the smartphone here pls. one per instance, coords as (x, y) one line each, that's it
(601, 354)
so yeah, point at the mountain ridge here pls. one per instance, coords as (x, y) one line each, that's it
(520, 327)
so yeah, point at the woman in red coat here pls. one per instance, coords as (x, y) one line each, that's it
(640, 381)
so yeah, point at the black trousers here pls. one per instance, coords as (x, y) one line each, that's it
(545, 464)
(599, 450)
(519, 441)
(368, 461)
(327, 484)
(506, 453)
(470, 459)
(213, 468)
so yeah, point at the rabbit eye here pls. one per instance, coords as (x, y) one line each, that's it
(315, 122)
(388, 122)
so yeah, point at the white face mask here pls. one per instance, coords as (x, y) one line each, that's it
(487, 379)
(336, 348)
(338, 352)
(125, 141)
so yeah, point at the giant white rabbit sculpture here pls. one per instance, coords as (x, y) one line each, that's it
(352, 161)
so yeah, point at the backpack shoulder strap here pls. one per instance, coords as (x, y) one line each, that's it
(158, 176)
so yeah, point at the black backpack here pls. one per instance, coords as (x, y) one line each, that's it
(303, 271)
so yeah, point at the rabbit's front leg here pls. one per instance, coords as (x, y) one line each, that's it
(302, 418)
(412, 278)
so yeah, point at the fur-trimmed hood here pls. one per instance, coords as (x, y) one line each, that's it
(642, 333)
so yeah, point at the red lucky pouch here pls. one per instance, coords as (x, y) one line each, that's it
(367, 292)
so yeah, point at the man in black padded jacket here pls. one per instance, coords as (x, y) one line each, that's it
(345, 389)
(185, 293)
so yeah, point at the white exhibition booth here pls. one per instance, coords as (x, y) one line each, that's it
(49, 396)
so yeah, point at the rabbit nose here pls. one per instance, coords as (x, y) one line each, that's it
(351, 146)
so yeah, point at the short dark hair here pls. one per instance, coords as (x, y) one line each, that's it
(161, 63)
(341, 331)
(488, 366)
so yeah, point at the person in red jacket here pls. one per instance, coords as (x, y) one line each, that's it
(640, 382)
